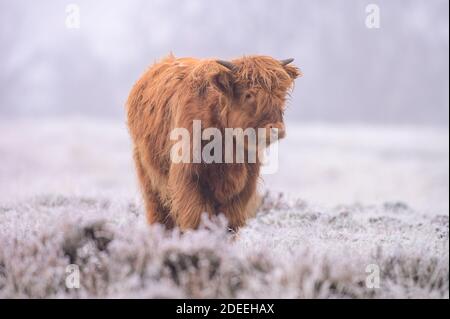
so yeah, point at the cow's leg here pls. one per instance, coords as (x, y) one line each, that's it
(155, 210)
(240, 208)
(229, 181)
(235, 213)
(187, 202)
(254, 203)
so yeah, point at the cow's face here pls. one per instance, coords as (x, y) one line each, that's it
(256, 89)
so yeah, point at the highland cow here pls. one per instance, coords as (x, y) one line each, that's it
(248, 92)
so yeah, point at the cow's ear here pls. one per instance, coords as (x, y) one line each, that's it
(224, 82)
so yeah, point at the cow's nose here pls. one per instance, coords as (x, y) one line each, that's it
(277, 128)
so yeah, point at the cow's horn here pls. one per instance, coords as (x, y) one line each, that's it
(230, 66)
(286, 62)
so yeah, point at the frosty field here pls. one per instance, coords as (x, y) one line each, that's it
(346, 200)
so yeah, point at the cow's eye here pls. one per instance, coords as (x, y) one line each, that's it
(248, 96)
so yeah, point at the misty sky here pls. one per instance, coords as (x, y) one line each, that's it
(397, 73)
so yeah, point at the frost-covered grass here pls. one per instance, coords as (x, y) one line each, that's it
(289, 251)
(68, 196)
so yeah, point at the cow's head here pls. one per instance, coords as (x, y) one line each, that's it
(255, 89)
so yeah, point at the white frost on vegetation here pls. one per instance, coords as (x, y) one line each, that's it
(69, 197)
(288, 251)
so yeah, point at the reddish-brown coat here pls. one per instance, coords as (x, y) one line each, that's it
(173, 93)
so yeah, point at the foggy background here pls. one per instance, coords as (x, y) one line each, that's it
(391, 75)
(361, 179)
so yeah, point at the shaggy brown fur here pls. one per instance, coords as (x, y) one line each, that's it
(176, 91)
